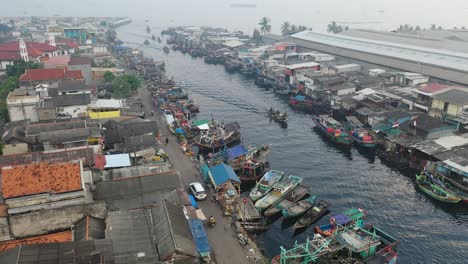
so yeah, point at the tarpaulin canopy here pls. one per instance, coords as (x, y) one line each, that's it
(199, 236)
(223, 173)
(300, 97)
(236, 151)
(200, 122)
(180, 131)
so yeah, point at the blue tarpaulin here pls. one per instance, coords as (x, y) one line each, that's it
(180, 131)
(199, 236)
(223, 173)
(205, 171)
(193, 201)
(236, 151)
(300, 97)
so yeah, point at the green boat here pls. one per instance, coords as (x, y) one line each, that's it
(439, 193)
(280, 191)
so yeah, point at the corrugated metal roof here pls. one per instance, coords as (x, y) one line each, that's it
(438, 57)
(38, 178)
(89, 228)
(117, 161)
(64, 236)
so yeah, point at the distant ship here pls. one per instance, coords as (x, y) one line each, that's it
(240, 5)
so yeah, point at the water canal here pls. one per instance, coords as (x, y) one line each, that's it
(429, 232)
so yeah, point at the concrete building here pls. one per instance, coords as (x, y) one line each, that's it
(83, 64)
(438, 63)
(452, 105)
(22, 106)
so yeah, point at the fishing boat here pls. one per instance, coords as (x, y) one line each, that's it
(359, 134)
(294, 196)
(215, 136)
(299, 208)
(146, 42)
(266, 183)
(255, 163)
(166, 49)
(153, 37)
(279, 192)
(353, 216)
(332, 129)
(426, 183)
(278, 116)
(176, 94)
(313, 215)
(301, 102)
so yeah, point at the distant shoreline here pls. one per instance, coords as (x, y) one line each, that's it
(243, 5)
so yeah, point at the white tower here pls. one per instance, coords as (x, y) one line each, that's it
(52, 40)
(23, 50)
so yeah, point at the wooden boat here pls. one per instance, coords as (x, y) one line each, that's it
(313, 215)
(385, 251)
(359, 134)
(166, 49)
(176, 94)
(279, 192)
(299, 208)
(425, 183)
(278, 116)
(294, 196)
(266, 183)
(332, 129)
(301, 102)
(338, 222)
(218, 136)
(146, 42)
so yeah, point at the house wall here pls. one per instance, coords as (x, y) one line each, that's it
(3, 64)
(48, 146)
(439, 105)
(107, 114)
(74, 110)
(86, 69)
(23, 110)
(100, 49)
(345, 91)
(44, 114)
(27, 224)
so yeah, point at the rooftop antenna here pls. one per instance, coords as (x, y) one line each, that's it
(52, 40)
(23, 50)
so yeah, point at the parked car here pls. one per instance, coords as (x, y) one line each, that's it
(197, 190)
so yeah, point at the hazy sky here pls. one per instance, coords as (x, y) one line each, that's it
(312, 13)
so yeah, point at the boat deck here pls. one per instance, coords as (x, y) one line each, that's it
(247, 211)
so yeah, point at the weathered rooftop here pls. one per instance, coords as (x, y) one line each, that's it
(454, 96)
(64, 236)
(39, 178)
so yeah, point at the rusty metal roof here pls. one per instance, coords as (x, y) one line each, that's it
(44, 239)
(38, 178)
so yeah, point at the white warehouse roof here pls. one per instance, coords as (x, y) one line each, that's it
(438, 57)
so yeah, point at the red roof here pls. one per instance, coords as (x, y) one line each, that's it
(34, 49)
(43, 74)
(75, 74)
(51, 74)
(9, 56)
(39, 178)
(432, 87)
(67, 42)
(64, 236)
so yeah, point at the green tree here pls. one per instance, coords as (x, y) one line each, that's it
(301, 28)
(433, 27)
(418, 28)
(8, 85)
(121, 89)
(285, 28)
(19, 67)
(109, 76)
(103, 23)
(265, 26)
(293, 29)
(439, 28)
(333, 27)
(111, 35)
(257, 36)
(133, 80)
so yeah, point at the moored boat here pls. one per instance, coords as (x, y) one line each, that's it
(359, 134)
(294, 196)
(279, 192)
(278, 116)
(299, 208)
(215, 136)
(353, 216)
(427, 184)
(301, 102)
(266, 183)
(332, 129)
(313, 215)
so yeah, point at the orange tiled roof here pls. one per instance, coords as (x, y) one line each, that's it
(50, 238)
(40, 178)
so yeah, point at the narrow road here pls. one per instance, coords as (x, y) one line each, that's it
(222, 237)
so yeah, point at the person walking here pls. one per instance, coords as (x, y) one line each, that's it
(167, 140)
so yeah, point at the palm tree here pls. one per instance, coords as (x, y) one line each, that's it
(285, 28)
(433, 27)
(334, 27)
(293, 29)
(265, 26)
(256, 36)
(301, 28)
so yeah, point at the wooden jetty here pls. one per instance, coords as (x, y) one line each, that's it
(247, 211)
